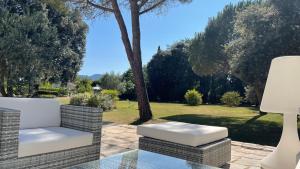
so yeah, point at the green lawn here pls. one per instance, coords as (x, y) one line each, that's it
(244, 123)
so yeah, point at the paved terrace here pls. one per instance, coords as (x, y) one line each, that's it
(121, 138)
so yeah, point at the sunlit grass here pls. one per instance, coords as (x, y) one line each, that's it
(127, 112)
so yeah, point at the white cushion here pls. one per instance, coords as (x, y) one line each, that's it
(298, 165)
(46, 140)
(35, 112)
(183, 133)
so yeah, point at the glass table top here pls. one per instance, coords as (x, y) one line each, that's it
(139, 159)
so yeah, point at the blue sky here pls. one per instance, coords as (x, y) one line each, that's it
(105, 51)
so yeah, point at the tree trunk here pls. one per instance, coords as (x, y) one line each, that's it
(140, 87)
(134, 56)
(142, 95)
(259, 94)
(9, 85)
(32, 88)
(2, 91)
(2, 78)
(211, 92)
(10, 90)
(2, 88)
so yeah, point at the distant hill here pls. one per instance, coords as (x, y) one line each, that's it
(92, 77)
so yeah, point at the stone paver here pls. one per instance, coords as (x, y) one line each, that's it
(122, 138)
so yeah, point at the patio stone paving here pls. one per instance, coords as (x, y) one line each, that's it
(121, 138)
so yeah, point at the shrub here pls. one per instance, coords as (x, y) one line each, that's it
(107, 103)
(93, 101)
(97, 100)
(84, 85)
(114, 94)
(193, 97)
(231, 99)
(79, 99)
(103, 101)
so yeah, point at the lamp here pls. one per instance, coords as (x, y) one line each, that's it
(282, 95)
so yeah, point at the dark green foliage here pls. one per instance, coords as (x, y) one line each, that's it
(193, 97)
(46, 92)
(170, 74)
(231, 99)
(254, 45)
(38, 43)
(243, 39)
(71, 32)
(128, 85)
(206, 50)
(263, 31)
(213, 87)
(208, 57)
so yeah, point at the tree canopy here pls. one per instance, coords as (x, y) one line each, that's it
(206, 51)
(252, 49)
(170, 74)
(111, 81)
(244, 38)
(38, 43)
(263, 31)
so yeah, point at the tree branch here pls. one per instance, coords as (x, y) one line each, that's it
(153, 6)
(99, 6)
(142, 3)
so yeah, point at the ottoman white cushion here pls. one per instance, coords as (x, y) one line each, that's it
(51, 139)
(183, 133)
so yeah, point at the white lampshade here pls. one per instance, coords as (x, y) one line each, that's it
(282, 91)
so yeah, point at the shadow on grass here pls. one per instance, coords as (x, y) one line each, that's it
(254, 118)
(240, 129)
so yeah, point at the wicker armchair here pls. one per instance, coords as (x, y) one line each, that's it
(70, 137)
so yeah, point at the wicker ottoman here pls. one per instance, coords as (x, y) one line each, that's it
(183, 141)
